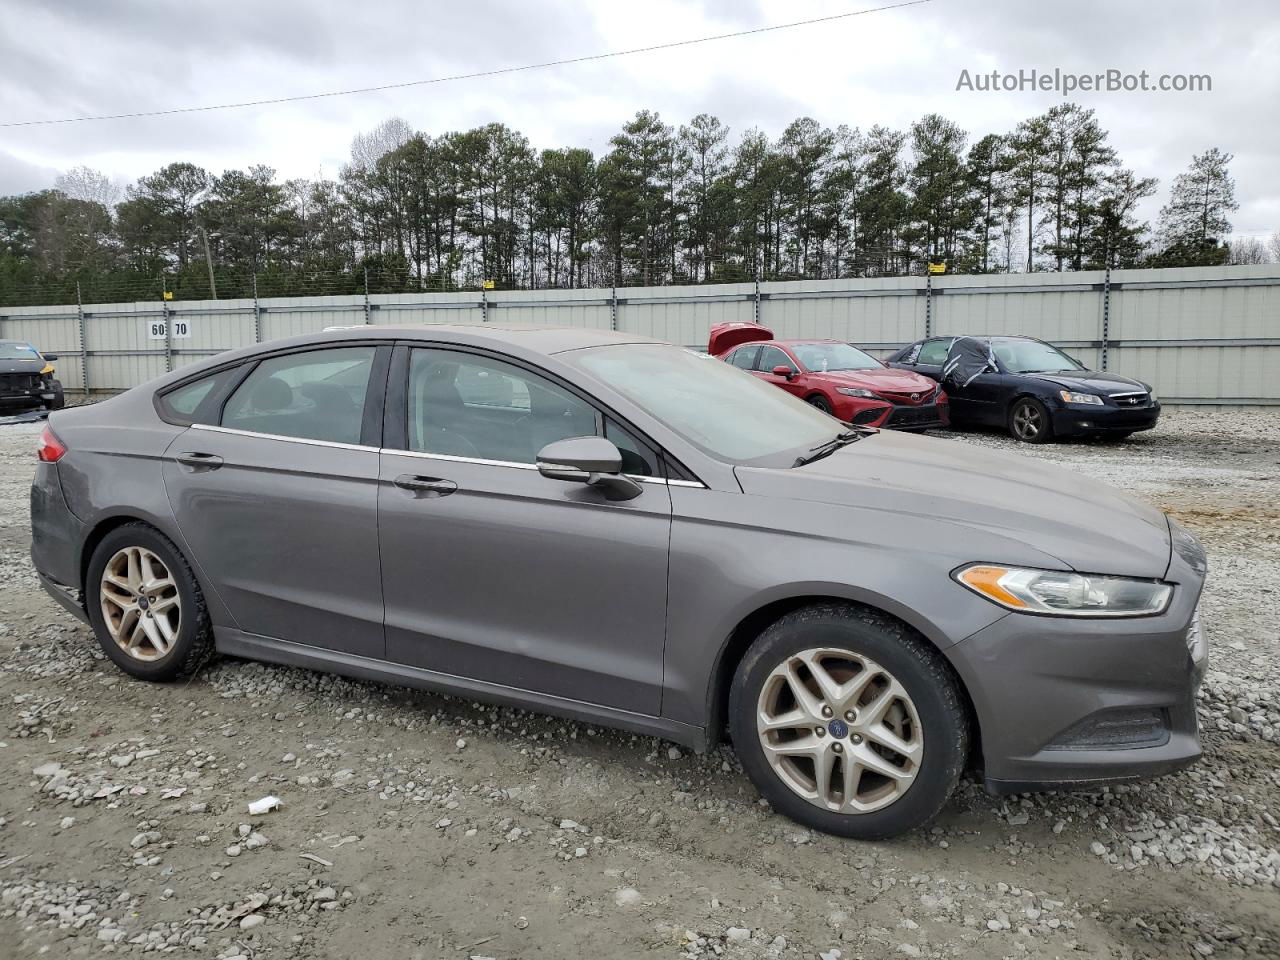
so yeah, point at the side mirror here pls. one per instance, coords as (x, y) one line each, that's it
(49, 356)
(783, 371)
(594, 461)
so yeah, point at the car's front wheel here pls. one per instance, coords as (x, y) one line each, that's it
(821, 402)
(145, 605)
(1029, 421)
(849, 722)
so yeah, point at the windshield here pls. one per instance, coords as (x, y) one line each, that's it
(18, 351)
(1032, 356)
(724, 411)
(822, 357)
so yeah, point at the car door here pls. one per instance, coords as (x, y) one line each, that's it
(770, 357)
(277, 497)
(495, 573)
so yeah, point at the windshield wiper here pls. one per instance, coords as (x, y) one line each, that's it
(826, 449)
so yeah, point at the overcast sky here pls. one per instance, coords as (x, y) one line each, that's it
(81, 57)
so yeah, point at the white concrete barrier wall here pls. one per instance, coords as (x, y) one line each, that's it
(1199, 335)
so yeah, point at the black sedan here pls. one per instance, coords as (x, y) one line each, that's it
(1031, 388)
(27, 377)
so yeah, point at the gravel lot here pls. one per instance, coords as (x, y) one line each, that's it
(420, 826)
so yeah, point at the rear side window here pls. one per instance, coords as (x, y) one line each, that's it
(316, 395)
(744, 357)
(195, 402)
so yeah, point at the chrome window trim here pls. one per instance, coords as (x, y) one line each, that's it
(420, 454)
(275, 436)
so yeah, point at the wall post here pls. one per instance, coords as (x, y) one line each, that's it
(366, 295)
(1106, 313)
(84, 346)
(257, 311)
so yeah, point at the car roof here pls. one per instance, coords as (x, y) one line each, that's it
(537, 338)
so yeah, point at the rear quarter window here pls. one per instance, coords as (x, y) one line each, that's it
(195, 402)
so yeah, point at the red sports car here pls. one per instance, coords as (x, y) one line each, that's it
(835, 377)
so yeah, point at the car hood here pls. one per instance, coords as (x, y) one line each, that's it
(11, 365)
(1092, 381)
(884, 378)
(1087, 525)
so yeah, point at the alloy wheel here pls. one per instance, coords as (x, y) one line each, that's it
(839, 730)
(140, 603)
(1027, 421)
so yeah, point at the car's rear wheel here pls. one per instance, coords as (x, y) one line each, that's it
(819, 401)
(1029, 421)
(849, 722)
(146, 606)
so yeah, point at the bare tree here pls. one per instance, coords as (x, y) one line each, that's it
(1274, 244)
(85, 183)
(368, 148)
(1248, 250)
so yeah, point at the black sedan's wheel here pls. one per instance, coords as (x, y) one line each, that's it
(1029, 421)
(848, 722)
(819, 401)
(59, 397)
(146, 606)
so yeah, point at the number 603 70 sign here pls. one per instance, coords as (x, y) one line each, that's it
(181, 329)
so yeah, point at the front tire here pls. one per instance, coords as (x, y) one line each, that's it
(848, 722)
(59, 396)
(145, 605)
(819, 402)
(1029, 421)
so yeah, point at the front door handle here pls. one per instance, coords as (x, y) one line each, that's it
(427, 486)
(200, 461)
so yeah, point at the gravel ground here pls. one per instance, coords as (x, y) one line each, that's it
(420, 826)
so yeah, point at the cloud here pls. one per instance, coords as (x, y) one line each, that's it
(888, 68)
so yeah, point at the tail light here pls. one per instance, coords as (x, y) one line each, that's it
(50, 449)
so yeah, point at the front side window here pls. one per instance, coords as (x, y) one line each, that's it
(732, 417)
(824, 357)
(466, 405)
(316, 395)
(771, 357)
(934, 352)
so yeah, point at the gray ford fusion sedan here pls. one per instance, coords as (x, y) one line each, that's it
(614, 529)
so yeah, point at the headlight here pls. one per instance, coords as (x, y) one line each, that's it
(1069, 397)
(1065, 594)
(856, 392)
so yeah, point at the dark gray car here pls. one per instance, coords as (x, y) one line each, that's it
(618, 530)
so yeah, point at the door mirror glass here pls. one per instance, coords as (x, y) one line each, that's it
(50, 356)
(594, 461)
(782, 371)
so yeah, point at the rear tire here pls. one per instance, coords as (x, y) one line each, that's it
(1029, 421)
(887, 686)
(148, 610)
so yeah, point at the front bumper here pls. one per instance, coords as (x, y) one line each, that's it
(1078, 419)
(879, 413)
(1067, 703)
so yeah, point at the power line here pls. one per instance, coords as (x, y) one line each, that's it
(465, 76)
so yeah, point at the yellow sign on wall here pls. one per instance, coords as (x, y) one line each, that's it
(488, 284)
(168, 294)
(937, 268)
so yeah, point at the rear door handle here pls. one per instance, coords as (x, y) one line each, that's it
(200, 461)
(427, 486)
